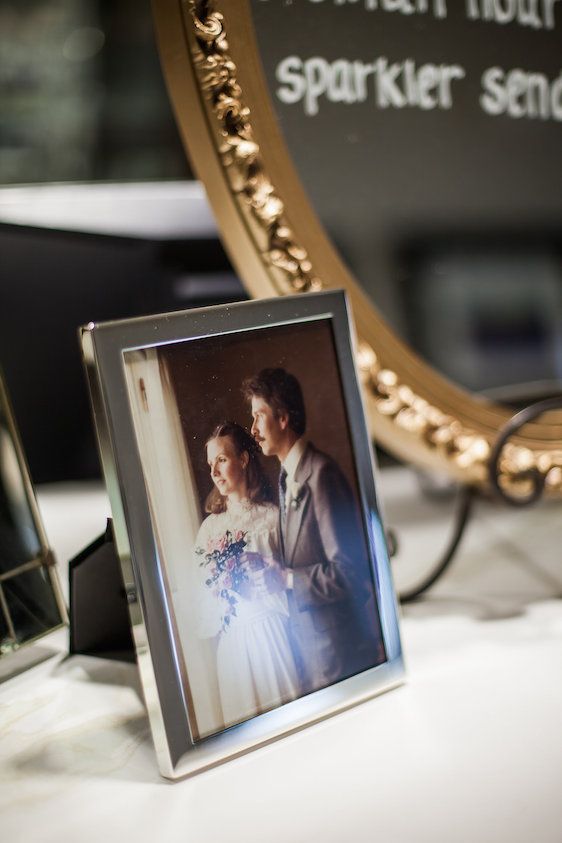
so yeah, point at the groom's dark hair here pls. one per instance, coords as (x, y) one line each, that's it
(282, 392)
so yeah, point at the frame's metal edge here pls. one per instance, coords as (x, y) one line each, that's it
(48, 561)
(130, 581)
(395, 676)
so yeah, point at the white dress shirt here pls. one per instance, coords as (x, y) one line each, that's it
(290, 464)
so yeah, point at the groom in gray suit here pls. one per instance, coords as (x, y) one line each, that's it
(325, 568)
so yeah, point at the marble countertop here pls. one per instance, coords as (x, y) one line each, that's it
(469, 749)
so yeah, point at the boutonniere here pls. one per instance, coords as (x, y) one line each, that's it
(297, 494)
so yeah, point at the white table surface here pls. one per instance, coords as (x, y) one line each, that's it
(470, 749)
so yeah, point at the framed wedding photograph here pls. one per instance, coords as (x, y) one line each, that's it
(241, 478)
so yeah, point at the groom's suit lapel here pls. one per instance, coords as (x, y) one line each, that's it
(295, 515)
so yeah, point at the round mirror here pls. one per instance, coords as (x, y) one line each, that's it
(407, 151)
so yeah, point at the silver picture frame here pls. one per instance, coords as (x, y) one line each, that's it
(110, 352)
(31, 600)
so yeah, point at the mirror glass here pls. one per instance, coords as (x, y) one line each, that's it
(30, 601)
(427, 134)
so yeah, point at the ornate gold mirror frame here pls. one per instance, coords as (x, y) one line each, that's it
(277, 245)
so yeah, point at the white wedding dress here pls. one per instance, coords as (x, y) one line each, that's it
(255, 664)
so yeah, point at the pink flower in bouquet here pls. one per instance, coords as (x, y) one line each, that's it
(226, 573)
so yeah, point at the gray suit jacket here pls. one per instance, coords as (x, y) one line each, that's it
(323, 544)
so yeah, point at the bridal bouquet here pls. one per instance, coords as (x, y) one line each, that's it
(226, 571)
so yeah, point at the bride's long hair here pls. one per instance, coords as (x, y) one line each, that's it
(259, 487)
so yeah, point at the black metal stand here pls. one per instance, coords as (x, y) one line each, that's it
(519, 420)
(468, 494)
(463, 512)
(99, 615)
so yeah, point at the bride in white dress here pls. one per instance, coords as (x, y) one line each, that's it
(255, 664)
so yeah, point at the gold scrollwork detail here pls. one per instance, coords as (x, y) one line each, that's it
(465, 448)
(239, 151)
(240, 154)
(420, 418)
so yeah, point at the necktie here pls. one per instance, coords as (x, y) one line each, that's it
(283, 496)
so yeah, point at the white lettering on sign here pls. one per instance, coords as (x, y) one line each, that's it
(392, 84)
(518, 93)
(407, 7)
(538, 14)
(438, 8)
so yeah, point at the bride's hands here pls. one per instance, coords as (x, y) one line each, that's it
(253, 586)
(265, 576)
(252, 561)
(272, 579)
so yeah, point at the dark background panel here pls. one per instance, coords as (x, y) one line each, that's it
(54, 282)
